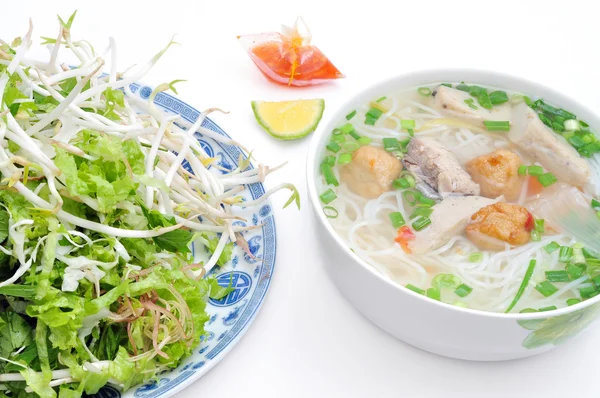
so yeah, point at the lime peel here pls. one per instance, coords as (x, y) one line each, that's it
(289, 120)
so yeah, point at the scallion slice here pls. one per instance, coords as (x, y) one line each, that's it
(407, 124)
(498, 97)
(370, 121)
(535, 170)
(328, 196)
(524, 284)
(522, 170)
(551, 247)
(447, 281)
(347, 128)
(535, 236)
(351, 146)
(471, 103)
(546, 288)
(425, 91)
(351, 115)
(330, 212)
(573, 301)
(549, 308)
(571, 125)
(434, 293)
(420, 212)
(330, 160)
(374, 113)
(425, 200)
(338, 138)
(354, 135)
(557, 276)
(415, 289)
(381, 99)
(411, 196)
(391, 144)
(463, 290)
(344, 158)
(333, 147)
(397, 219)
(401, 183)
(497, 126)
(575, 270)
(547, 179)
(329, 175)
(421, 223)
(595, 204)
(475, 257)
(565, 254)
(463, 87)
(539, 225)
(363, 141)
(588, 292)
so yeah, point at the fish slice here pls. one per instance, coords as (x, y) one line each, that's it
(570, 211)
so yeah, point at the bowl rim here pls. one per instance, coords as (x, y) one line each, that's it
(428, 76)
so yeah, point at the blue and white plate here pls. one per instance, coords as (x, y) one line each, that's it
(231, 316)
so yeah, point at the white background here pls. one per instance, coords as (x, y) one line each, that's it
(307, 341)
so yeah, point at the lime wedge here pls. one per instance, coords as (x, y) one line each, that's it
(289, 120)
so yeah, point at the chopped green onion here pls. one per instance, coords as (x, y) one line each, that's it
(447, 281)
(337, 132)
(421, 223)
(522, 170)
(350, 115)
(425, 200)
(573, 301)
(498, 97)
(407, 124)
(471, 103)
(576, 141)
(587, 292)
(333, 147)
(463, 290)
(549, 308)
(347, 128)
(369, 121)
(338, 139)
(527, 311)
(329, 175)
(330, 160)
(535, 236)
(475, 257)
(426, 91)
(484, 100)
(528, 100)
(344, 158)
(545, 119)
(397, 219)
(374, 113)
(571, 125)
(415, 289)
(420, 212)
(476, 90)
(551, 247)
(381, 99)
(524, 284)
(328, 196)
(595, 204)
(557, 276)
(463, 87)
(565, 254)
(411, 132)
(411, 196)
(330, 212)
(391, 144)
(539, 225)
(404, 182)
(546, 288)
(575, 270)
(535, 170)
(434, 293)
(461, 304)
(351, 146)
(547, 179)
(354, 135)
(363, 141)
(558, 127)
(497, 126)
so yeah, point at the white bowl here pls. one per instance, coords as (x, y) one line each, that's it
(424, 323)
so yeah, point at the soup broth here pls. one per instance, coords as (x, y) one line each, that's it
(452, 189)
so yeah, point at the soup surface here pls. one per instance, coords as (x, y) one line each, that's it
(460, 192)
